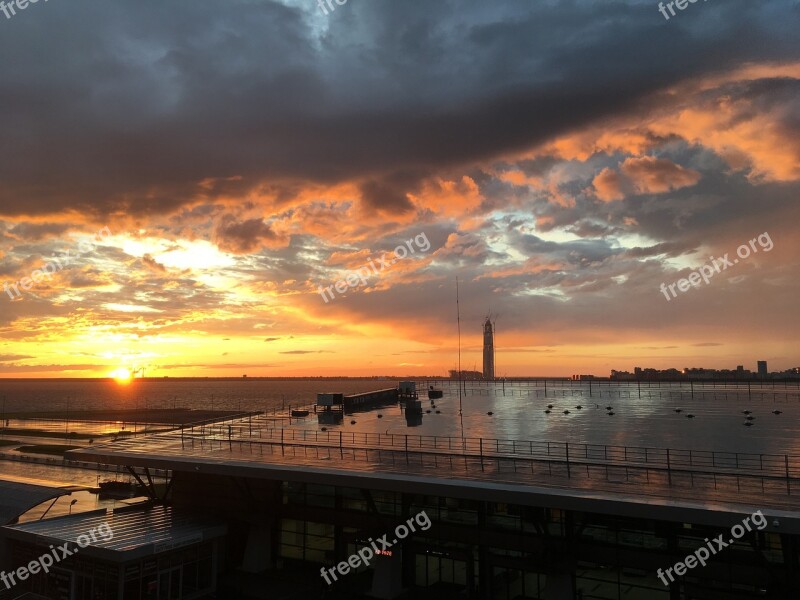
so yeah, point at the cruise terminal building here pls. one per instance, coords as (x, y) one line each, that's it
(259, 507)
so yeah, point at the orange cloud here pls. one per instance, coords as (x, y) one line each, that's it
(643, 175)
(349, 260)
(743, 135)
(603, 139)
(608, 185)
(651, 175)
(520, 179)
(449, 198)
(723, 112)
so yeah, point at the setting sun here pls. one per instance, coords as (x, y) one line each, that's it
(122, 375)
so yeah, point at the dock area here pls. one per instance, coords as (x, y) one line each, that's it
(357, 402)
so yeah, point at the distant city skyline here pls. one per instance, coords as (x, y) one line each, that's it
(740, 372)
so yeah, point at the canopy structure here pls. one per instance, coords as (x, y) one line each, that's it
(16, 498)
(132, 533)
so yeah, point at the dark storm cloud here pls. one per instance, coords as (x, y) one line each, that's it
(243, 237)
(35, 232)
(127, 106)
(151, 263)
(588, 229)
(579, 252)
(671, 249)
(389, 193)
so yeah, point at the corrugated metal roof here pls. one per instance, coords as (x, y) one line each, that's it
(136, 532)
(17, 498)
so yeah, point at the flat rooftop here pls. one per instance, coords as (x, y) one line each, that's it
(670, 484)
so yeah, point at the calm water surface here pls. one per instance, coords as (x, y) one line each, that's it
(644, 415)
(650, 420)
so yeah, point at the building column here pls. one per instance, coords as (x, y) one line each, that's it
(485, 571)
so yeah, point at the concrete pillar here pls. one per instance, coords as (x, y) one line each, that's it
(258, 550)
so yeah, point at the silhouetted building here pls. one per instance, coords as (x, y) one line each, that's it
(466, 375)
(762, 369)
(488, 349)
(686, 374)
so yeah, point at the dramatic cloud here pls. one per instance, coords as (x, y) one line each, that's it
(564, 158)
(643, 175)
(244, 237)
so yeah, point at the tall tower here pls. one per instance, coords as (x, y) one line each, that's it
(762, 369)
(488, 350)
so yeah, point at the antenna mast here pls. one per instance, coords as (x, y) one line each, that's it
(460, 372)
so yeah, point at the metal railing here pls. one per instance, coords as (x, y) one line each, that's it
(783, 468)
(776, 390)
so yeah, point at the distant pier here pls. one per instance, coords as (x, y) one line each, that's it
(356, 402)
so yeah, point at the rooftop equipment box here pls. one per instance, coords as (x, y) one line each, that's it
(329, 399)
(408, 388)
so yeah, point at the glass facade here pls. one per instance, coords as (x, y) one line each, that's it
(508, 552)
(182, 574)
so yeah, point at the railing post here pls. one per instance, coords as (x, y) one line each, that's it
(406, 448)
(788, 483)
(481, 451)
(566, 448)
(341, 450)
(669, 469)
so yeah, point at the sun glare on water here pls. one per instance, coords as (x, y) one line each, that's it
(122, 375)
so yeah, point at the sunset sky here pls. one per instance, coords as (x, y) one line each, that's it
(562, 158)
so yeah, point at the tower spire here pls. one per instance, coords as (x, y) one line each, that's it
(488, 349)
